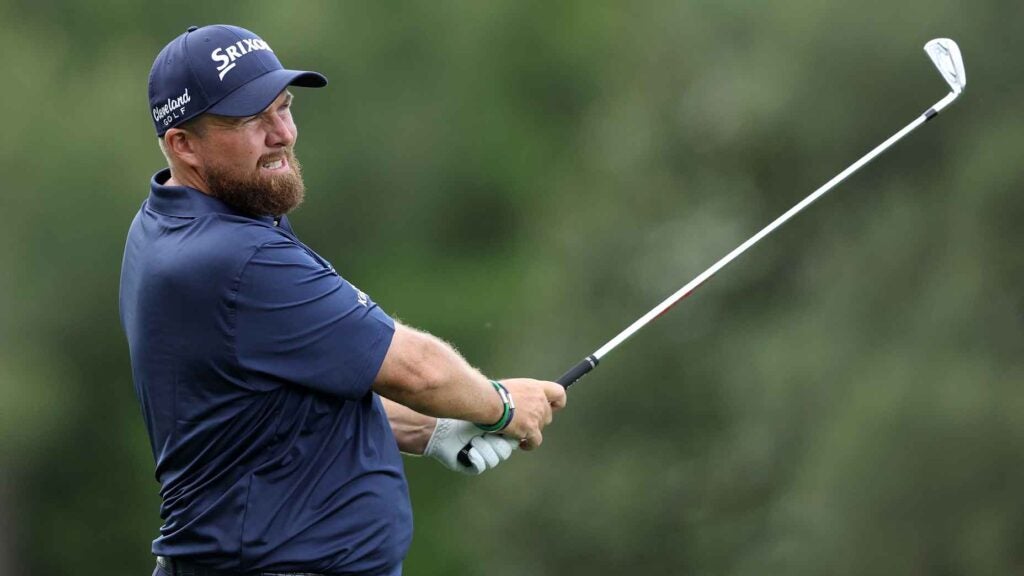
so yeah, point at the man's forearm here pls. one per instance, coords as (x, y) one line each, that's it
(411, 429)
(427, 375)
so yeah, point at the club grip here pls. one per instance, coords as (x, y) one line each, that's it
(566, 380)
(464, 455)
(577, 372)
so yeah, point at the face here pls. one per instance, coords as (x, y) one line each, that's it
(249, 162)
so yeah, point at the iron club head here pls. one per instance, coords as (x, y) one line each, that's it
(946, 56)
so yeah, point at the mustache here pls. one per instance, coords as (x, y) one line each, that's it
(286, 153)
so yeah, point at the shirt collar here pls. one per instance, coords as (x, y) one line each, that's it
(185, 201)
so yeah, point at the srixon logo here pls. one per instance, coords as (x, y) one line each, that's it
(228, 54)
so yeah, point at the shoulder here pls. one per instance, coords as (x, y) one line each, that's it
(210, 249)
(223, 239)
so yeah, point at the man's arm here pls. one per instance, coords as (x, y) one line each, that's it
(411, 429)
(444, 438)
(425, 374)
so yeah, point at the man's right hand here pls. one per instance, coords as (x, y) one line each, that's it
(428, 376)
(536, 401)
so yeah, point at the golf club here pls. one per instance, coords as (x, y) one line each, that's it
(944, 53)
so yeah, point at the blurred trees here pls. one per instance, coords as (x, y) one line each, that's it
(525, 179)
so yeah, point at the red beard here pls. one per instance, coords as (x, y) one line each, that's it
(255, 194)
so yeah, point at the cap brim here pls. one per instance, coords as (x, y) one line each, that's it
(254, 97)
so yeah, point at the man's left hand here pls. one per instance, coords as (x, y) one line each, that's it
(488, 450)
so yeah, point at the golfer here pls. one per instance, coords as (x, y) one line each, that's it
(276, 394)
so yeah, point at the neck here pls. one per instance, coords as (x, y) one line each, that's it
(187, 178)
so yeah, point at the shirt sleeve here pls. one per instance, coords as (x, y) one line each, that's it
(299, 322)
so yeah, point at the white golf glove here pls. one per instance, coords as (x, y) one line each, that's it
(450, 436)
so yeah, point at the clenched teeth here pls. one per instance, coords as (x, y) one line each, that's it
(273, 165)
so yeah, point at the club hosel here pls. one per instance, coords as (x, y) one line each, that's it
(934, 110)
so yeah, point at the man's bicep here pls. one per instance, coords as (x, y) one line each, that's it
(298, 322)
(403, 363)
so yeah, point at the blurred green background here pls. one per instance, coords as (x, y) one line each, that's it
(525, 179)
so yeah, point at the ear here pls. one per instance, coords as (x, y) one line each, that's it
(183, 146)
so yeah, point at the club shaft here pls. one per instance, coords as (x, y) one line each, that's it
(590, 362)
(707, 274)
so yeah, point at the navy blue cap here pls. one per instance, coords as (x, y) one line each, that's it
(220, 69)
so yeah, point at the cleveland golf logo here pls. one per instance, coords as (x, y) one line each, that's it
(228, 54)
(173, 109)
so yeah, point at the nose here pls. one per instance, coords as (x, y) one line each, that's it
(281, 132)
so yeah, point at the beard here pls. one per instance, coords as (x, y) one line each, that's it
(256, 194)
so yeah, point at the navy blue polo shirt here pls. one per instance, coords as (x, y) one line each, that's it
(253, 361)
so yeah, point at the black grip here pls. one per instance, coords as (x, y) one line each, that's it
(566, 380)
(577, 372)
(464, 456)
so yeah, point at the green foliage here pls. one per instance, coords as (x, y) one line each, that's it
(524, 179)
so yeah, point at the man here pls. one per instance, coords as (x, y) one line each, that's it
(277, 395)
